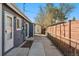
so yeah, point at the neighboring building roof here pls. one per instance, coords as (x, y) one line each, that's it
(14, 7)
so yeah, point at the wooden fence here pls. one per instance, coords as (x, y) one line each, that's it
(65, 35)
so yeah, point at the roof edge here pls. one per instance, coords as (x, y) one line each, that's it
(15, 8)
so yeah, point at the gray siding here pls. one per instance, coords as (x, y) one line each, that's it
(18, 39)
(23, 31)
(19, 36)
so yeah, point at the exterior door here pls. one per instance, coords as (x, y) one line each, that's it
(26, 29)
(8, 31)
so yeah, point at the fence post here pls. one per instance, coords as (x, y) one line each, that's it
(60, 31)
(64, 29)
(56, 30)
(60, 38)
(70, 35)
(75, 51)
(50, 30)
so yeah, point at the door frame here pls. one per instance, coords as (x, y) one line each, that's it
(27, 29)
(11, 15)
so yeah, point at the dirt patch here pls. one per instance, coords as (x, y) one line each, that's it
(28, 44)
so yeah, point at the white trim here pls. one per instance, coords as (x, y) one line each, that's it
(18, 29)
(14, 7)
(0, 29)
(27, 29)
(20, 23)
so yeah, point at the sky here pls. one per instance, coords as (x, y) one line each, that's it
(32, 9)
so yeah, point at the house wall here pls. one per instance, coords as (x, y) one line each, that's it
(27, 29)
(0, 29)
(18, 34)
(30, 29)
(24, 31)
(33, 29)
(37, 29)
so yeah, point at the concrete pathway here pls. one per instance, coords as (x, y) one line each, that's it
(41, 46)
(50, 48)
(37, 49)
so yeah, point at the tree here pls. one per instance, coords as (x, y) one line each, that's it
(49, 9)
(64, 10)
(40, 17)
(73, 19)
(45, 16)
(50, 14)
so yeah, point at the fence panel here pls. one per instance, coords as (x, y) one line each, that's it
(64, 36)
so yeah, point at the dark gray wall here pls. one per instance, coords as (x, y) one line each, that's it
(30, 29)
(23, 30)
(18, 35)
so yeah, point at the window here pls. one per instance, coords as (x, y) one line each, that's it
(9, 21)
(18, 24)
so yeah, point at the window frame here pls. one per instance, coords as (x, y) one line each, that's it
(20, 23)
